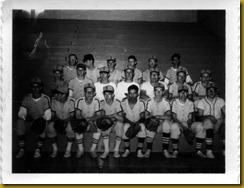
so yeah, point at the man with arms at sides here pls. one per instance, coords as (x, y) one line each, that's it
(76, 85)
(92, 72)
(69, 71)
(115, 75)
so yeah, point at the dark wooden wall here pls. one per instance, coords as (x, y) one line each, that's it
(198, 47)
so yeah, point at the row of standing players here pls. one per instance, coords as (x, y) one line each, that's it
(128, 101)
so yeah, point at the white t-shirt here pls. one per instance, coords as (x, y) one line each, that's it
(122, 88)
(147, 86)
(99, 89)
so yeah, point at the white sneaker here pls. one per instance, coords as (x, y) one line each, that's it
(93, 154)
(166, 154)
(139, 154)
(37, 153)
(20, 154)
(67, 154)
(54, 153)
(200, 154)
(147, 154)
(104, 155)
(79, 153)
(126, 153)
(210, 154)
(116, 154)
(175, 154)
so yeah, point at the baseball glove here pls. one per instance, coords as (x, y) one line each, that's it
(133, 130)
(29, 118)
(60, 126)
(104, 123)
(79, 125)
(152, 123)
(189, 136)
(38, 125)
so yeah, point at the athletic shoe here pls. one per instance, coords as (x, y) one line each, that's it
(200, 154)
(37, 153)
(126, 153)
(67, 154)
(116, 154)
(104, 155)
(93, 154)
(79, 153)
(166, 154)
(54, 153)
(210, 154)
(139, 154)
(175, 154)
(20, 154)
(147, 154)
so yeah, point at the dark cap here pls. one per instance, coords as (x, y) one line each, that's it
(181, 69)
(160, 85)
(155, 69)
(58, 68)
(153, 57)
(111, 58)
(211, 85)
(89, 85)
(63, 88)
(108, 88)
(36, 80)
(81, 65)
(182, 88)
(88, 57)
(206, 71)
(104, 69)
(129, 67)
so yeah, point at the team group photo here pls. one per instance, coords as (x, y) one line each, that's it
(118, 91)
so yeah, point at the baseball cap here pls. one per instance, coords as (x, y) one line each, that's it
(81, 65)
(111, 58)
(89, 85)
(129, 67)
(63, 88)
(155, 69)
(181, 69)
(206, 71)
(211, 85)
(182, 88)
(58, 68)
(153, 57)
(159, 85)
(88, 57)
(108, 88)
(36, 80)
(104, 69)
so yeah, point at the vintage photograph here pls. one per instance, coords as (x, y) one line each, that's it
(119, 92)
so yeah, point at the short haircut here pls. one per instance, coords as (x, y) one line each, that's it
(133, 87)
(175, 55)
(132, 57)
(73, 55)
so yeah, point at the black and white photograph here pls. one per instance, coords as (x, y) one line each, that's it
(121, 92)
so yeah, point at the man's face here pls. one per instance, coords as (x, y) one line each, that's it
(88, 63)
(57, 75)
(154, 77)
(158, 92)
(132, 95)
(108, 96)
(59, 96)
(111, 64)
(129, 74)
(80, 72)
(205, 78)
(72, 60)
(152, 63)
(181, 77)
(131, 62)
(104, 75)
(176, 62)
(211, 93)
(89, 93)
(183, 95)
(36, 89)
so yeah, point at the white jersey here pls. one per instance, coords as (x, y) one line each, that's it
(114, 108)
(147, 86)
(93, 74)
(133, 114)
(122, 88)
(199, 88)
(115, 76)
(99, 89)
(157, 108)
(212, 108)
(182, 110)
(63, 110)
(173, 89)
(69, 73)
(146, 75)
(88, 110)
(171, 76)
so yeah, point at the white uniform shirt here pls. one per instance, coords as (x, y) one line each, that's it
(122, 88)
(211, 108)
(115, 76)
(155, 108)
(182, 110)
(133, 114)
(199, 89)
(171, 76)
(114, 108)
(93, 74)
(173, 89)
(77, 87)
(99, 89)
(147, 86)
(137, 76)
(88, 110)
(63, 110)
(146, 75)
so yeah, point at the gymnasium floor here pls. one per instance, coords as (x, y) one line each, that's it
(185, 163)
